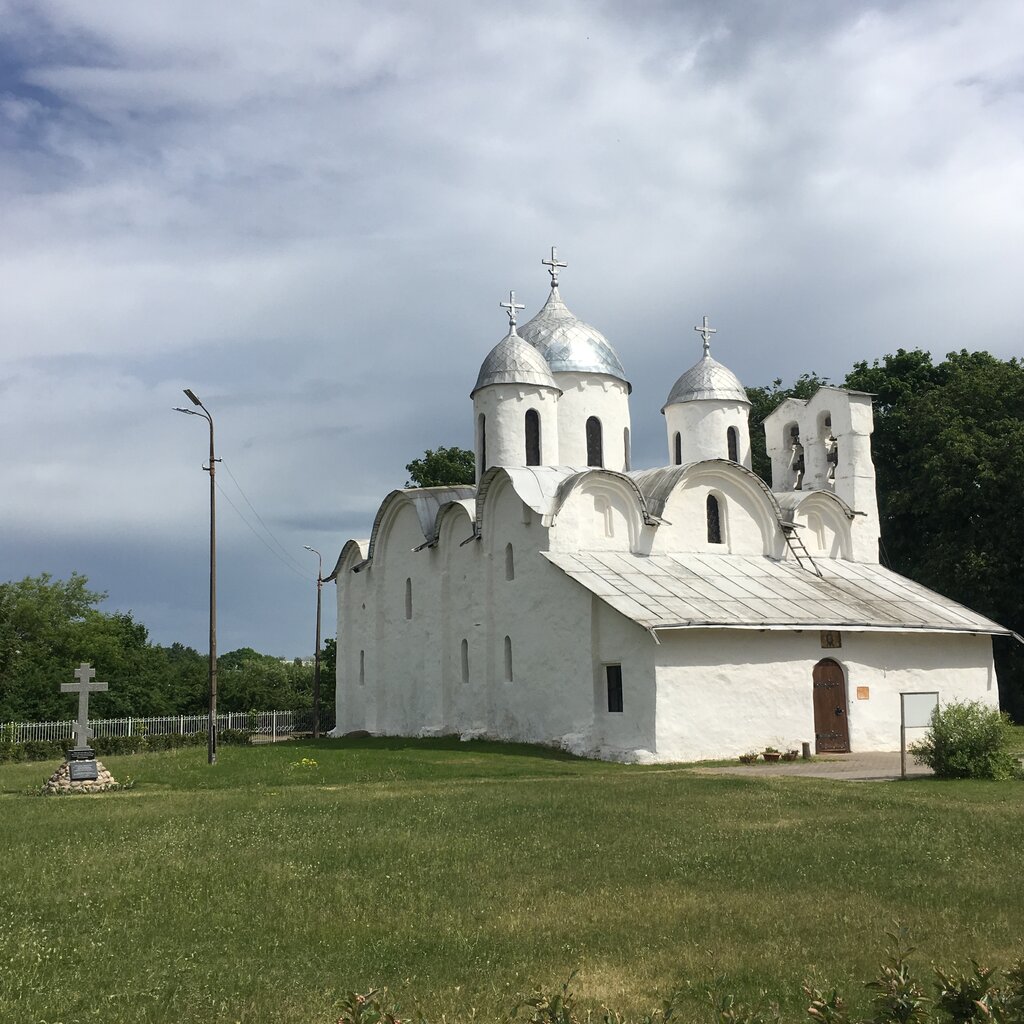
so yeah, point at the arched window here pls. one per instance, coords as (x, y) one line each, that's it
(595, 445)
(481, 423)
(532, 438)
(465, 661)
(677, 448)
(733, 436)
(408, 597)
(714, 521)
(362, 668)
(508, 659)
(625, 446)
(510, 563)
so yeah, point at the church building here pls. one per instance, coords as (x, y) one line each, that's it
(680, 612)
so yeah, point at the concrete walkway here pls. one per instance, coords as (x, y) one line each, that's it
(873, 767)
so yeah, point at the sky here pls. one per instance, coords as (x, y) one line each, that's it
(308, 213)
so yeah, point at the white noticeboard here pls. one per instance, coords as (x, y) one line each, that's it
(915, 713)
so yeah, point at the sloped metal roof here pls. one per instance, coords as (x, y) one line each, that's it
(568, 344)
(682, 591)
(514, 361)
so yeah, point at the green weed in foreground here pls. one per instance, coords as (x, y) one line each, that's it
(462, 875)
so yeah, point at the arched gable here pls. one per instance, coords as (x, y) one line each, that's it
(454, 523)
(825, 521)
(353, 556)
(750, 516)
(600, 509)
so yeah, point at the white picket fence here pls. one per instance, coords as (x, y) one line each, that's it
(272, 724)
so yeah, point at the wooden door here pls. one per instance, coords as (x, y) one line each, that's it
(831, 729)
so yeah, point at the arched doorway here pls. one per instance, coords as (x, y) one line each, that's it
(831, 728)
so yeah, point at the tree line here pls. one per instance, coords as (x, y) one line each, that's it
(48, 626)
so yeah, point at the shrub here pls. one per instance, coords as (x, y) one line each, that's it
(967, 740)
(234, 737)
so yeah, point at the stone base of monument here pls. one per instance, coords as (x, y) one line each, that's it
(61, 781)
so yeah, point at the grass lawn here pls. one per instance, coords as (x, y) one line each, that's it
(461, 875)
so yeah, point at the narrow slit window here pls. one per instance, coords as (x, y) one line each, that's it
(482, 430)
(408, 597)
(613, 677)
(677, 448)
(510, 563)
(362, 668)
(625, 447)
(714, 521)
(508, 659)
(532, 437)
(465, 661)
(733, 436)
(595, 444)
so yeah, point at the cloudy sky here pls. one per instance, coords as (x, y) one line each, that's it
(307, 212)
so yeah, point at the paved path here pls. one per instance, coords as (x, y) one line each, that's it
(872, 767)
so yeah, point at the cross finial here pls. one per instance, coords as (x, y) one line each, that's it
(511, 306)
(705, 332)
(553, 265)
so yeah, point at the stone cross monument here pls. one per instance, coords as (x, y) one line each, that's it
(82, 758)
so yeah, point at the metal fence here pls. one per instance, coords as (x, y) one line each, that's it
(273, 725)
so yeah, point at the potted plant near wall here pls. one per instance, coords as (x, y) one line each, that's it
(749, 758)
(771, 754)
(790, 755)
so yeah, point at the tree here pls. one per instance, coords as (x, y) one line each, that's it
(949, 459)
(443, 467)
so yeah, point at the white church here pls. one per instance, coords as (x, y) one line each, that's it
(682, 612)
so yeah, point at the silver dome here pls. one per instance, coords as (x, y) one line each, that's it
(513, 361)
(707, 380)
(568, 344)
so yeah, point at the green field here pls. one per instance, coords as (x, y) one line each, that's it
(462, 875)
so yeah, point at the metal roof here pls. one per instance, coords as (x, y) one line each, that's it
(514, 361)
(707, 380)
(568, 344)
(682, 591)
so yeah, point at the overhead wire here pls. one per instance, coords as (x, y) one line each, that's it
(270, 533)
(303, 576)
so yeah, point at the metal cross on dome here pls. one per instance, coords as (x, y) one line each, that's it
(705, 332)
(511, 306)
(553, 265)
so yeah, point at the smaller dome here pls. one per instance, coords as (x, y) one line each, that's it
(513, 361)
(707, 380)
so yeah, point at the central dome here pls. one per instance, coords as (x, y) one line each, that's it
(569, 345)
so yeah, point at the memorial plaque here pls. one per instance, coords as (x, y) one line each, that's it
(83, 771)
(81, 754)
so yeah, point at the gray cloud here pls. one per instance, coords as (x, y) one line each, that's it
(308, 215)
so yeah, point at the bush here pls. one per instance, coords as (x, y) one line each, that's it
(234, 737)
(968, 740)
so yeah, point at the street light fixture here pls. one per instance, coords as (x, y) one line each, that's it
(316, 659)
(212, 726)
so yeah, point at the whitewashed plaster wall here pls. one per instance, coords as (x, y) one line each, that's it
(504, 408)
(630, 734)
(592, 394)
(723, 692)
(703, 428)
(749, 523)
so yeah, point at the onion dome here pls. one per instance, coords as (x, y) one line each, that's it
(513, 361)
(707, 379)
(567, 343)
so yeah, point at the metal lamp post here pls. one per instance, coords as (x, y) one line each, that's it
(212, 728)
(316, 657)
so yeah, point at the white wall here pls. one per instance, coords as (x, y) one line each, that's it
(504, 406)
(592, 394)
(703, 428)
(723, 692)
